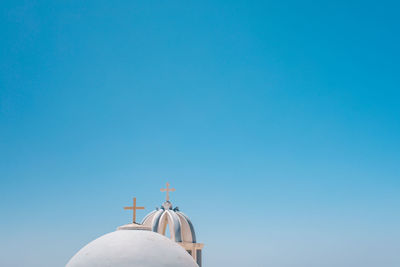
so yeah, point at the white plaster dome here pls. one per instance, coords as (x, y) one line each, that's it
(132, 248)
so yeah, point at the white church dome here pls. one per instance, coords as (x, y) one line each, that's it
(132, 248)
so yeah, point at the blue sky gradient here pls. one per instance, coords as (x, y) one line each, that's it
(278, 123)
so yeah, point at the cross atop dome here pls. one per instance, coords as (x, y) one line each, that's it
(134, 208)
(168, 190)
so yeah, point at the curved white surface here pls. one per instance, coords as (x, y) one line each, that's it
(132, 248)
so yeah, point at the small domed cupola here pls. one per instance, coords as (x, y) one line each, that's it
(181, 229)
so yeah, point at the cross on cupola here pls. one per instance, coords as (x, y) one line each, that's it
(134, 208)
(168, 190)
(173, 223)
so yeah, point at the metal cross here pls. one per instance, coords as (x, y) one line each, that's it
(134, 208)
(168, 190)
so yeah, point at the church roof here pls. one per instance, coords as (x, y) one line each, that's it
(145, 244)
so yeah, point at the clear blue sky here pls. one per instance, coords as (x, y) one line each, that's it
(278, 122)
